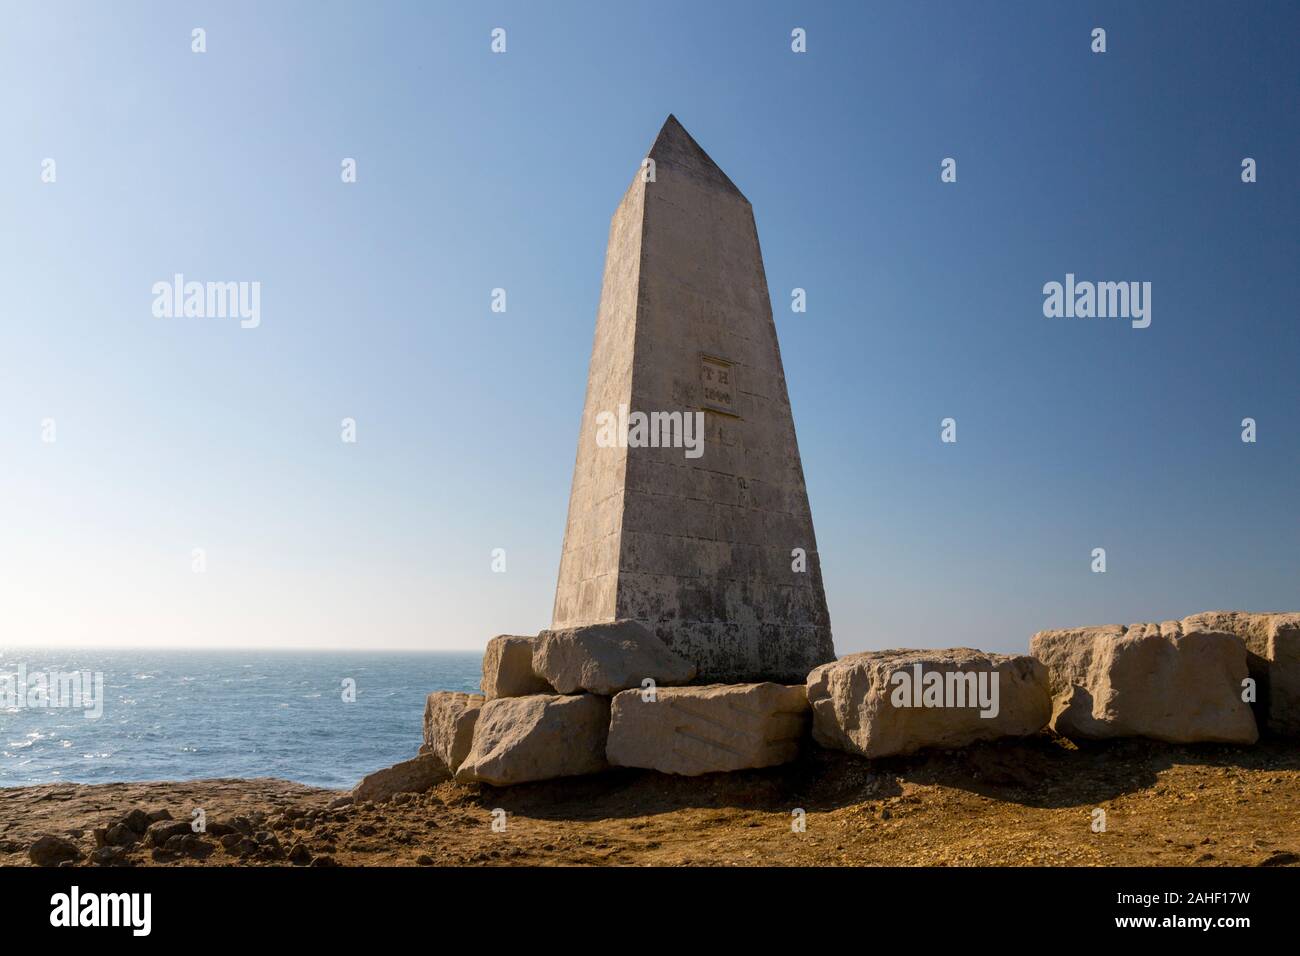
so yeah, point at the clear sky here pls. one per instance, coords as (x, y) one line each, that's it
(478, 170)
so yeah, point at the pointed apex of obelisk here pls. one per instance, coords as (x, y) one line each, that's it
(676, 148)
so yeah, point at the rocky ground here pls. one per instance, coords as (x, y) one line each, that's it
(1006, 804)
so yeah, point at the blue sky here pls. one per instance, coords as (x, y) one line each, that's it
(478, 171)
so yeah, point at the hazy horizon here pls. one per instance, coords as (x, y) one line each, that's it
(478, 171)
(261, 648)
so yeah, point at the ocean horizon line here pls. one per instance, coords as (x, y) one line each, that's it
(207, 648)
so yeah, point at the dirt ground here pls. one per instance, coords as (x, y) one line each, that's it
(1025, 803)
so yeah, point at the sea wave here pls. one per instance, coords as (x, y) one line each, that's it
(230, 714)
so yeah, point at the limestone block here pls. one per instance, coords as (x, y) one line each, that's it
(508, 668)
(1273, 657)
(880, 703)
(449, 718)
(1147, 680)
(519, 739)
(606, 658)
(718, 727)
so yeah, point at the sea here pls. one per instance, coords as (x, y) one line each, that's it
(324, 718)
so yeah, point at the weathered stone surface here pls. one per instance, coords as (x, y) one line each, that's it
(160, 831)
(119, 834)
(606, 658)
(51, 850)
(700, 549)
(861, 706)
(449, 718)
(518, 739)
(508, 668)
(719, 727)
(410, 776)
(138, 821)
(1147, 680)
(1273, 658)
(109, 856)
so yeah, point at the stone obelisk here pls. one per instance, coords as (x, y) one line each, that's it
(714, 553)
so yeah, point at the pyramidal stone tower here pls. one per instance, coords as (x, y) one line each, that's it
(710, 544)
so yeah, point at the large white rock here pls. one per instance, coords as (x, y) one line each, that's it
(880, 703)
(518, 739)
(508, 668)
(1147, 680)
(695, 730)
(606, 658)
(1273, 657)
(449, 718)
